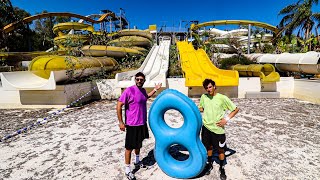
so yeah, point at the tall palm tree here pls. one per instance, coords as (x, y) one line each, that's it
(299, 16)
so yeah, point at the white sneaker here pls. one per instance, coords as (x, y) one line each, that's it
(130, 176)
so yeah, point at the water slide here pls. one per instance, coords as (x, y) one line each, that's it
(155, 67)
(197, 66)
(240, 35)
(221, 33)
(29, 55)
(266, 72)
(132, 38)
(111, 51)
(45, 71)
(26, 80)
(128, 41)
(10, 27)
(307, 63)
(237, 22)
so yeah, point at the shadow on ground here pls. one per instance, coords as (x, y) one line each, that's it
(178, 153)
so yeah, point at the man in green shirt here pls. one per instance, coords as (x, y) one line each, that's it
(214, 106)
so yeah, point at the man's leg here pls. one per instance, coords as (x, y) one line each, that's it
(127, 160)
(206, 140)
(137, 153)
(209, 153)
(221, 155)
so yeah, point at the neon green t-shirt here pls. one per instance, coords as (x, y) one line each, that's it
(214, 110)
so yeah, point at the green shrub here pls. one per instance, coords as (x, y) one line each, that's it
(174, 63)
(227, 62)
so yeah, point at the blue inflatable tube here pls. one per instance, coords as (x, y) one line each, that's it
(187, 135)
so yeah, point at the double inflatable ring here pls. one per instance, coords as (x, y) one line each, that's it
(187, 135)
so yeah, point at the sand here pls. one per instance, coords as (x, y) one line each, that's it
(273, 139)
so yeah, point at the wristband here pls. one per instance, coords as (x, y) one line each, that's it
(155, 89)
(227, 119)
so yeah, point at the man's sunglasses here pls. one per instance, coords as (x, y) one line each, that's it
(139, 79)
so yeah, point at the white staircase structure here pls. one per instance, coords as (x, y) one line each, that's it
(155, 67)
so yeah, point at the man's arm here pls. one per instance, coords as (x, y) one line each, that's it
(233, 113)
(201, 109)
(156, 88)
(119, 113)
(225, 120)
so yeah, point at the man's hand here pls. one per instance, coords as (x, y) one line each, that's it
(222, 122)
(158, 86)
(122, 126)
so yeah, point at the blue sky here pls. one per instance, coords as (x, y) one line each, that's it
(142, 13)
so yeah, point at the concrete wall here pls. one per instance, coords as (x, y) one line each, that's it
(285, 86)
(9, 97)
(62, 95)
(250, 84)
(304, 89)
(307, 90)
(246, 85)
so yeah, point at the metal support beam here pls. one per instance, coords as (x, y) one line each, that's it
(249, 38)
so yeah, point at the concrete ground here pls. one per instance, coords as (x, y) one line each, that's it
(273, 139)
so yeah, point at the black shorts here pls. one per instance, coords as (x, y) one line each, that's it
(135, 135)
(209, 139)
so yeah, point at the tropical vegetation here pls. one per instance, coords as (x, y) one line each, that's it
(299, 32)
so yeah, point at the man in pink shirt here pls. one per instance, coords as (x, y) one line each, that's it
(134, 98)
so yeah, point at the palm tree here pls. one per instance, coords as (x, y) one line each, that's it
(299, 16)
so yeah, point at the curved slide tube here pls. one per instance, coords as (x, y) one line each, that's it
(26, 80)
(187, 135)
(197, 67)
(59, 28)
(45, 71)
(308, 63)
(111, 51)
(64, 38)
(128, 37)
(155, 67)
(8, 28)
(266, 72)
(134, 32)
(240, 22)
(128, 41)
(42, 65)
(235, 32)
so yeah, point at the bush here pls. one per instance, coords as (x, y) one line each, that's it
(174, 63)
(227, 62)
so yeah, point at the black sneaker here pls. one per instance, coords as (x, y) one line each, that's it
(139, 165)
(222, 173)
(208, 168)
(130, 176)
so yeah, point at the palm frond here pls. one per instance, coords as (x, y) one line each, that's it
(288, 9)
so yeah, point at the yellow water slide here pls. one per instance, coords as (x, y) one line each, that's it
(197, 66)
(45, 71)
(135, 32)
(128, 41)
(62, 37)
(111, 51)
(82, 66)
(10, 27)
(266, 72)
(132, 37)
(101, 50)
